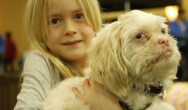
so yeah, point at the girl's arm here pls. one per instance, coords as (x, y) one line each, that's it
(37, 82)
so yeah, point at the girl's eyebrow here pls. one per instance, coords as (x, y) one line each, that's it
(76, 11)
(57, 15)
(52, 16)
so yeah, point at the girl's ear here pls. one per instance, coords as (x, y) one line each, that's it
(107, 60)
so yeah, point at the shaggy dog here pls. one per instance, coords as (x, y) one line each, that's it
(134, 58)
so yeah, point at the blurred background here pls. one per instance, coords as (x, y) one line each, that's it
(12, 32)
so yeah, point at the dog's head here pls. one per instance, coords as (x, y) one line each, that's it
(136, 46)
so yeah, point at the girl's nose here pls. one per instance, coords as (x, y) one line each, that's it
(70, 32)
(163, 41)
(70, 29)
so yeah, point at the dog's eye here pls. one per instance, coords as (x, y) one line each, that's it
(140, 36)
(163, 30)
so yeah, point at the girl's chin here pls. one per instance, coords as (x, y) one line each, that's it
(77, 58)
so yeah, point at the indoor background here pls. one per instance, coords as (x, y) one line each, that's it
(12, 17)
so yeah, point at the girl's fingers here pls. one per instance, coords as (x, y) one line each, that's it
(86, 85)
(91, 81)
(77, 93)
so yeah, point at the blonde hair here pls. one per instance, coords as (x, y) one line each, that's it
(36, 27)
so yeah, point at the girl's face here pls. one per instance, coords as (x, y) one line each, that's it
(69, 33)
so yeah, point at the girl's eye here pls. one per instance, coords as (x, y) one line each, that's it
(163, 30)
(79, 16)
(55, 21)
(140, 36)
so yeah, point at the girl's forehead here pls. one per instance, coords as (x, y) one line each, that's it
(63, 8)
(64, 4)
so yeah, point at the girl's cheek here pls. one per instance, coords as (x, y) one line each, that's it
(49, 30)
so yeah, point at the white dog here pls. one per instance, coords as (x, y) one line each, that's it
(134, 58)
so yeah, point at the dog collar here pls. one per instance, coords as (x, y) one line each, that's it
(153, 90)
(126, 107)
(156, 90)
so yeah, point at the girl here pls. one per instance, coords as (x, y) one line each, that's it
(62, 31)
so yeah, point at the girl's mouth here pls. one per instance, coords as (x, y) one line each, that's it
(72, 43)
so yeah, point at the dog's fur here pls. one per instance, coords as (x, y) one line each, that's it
(126, 57)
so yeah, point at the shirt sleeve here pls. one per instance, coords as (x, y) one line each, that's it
(37, 82)
(174, 29)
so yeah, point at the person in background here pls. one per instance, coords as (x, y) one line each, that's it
(62, 31)
(2, 52)
(179, 29)
(10, 53)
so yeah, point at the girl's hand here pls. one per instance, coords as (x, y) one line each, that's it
(97, 97)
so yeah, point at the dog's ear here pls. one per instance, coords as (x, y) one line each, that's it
(124, 16)
(107, 59)
(128, 15)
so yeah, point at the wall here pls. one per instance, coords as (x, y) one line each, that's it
(112, 15)
(157, 11)
(11, 19)
(185, 6)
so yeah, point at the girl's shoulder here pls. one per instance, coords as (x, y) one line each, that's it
(36, 54)
(36, 58)
(37, 63)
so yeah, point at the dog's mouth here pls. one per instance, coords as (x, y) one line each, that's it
(165, 54)
(168, 53)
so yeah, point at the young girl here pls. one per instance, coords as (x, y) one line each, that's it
(62, 31)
